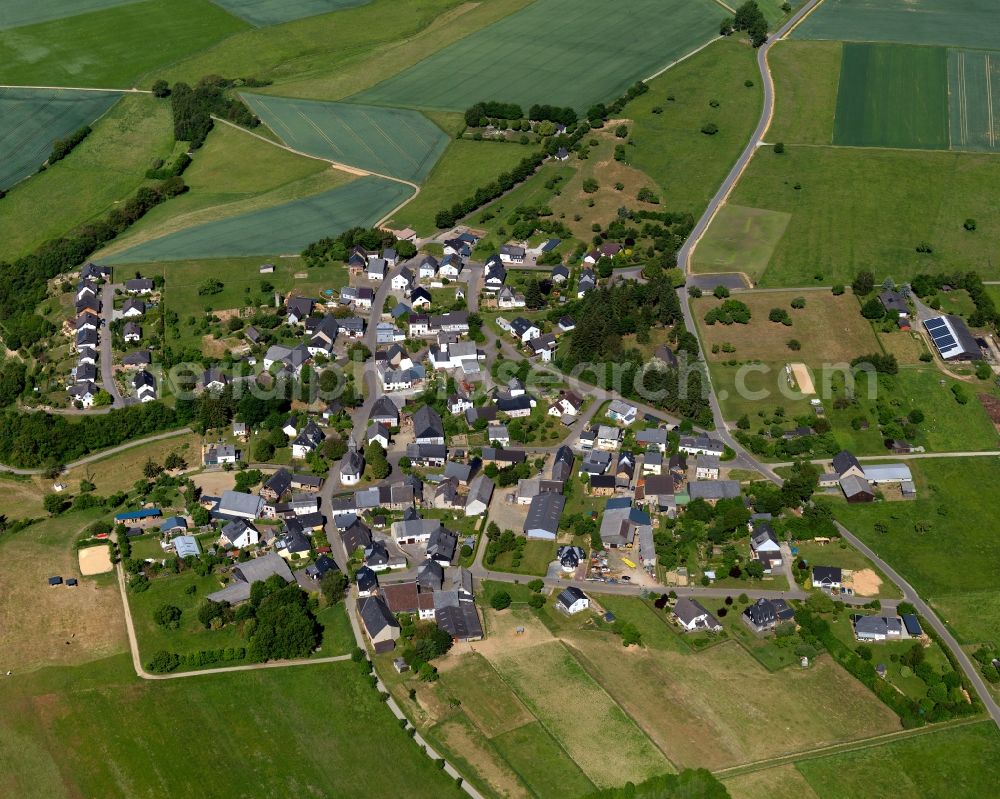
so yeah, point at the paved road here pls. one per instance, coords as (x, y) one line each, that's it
(105, 453)
(912, 456)
(107, 356)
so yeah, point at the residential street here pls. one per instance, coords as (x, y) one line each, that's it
(107, 357)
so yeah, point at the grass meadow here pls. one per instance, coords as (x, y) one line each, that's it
(535, 560)
(387, 141)
(742, 240)
(282, 229)
(96, 730)
(942, 542)
(806, 78)
(113, 47)
(893, 95)
(568, 52)
(17, 15)
(105, 169)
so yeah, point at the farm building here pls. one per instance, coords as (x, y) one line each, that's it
(952, 338)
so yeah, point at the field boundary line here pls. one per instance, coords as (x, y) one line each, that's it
(353, 170)
(848, 746)
(685, 57)
(76, 89)
(799, 21)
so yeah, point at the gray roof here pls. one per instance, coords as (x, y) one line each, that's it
(544, 513)
(376, 615)
(249, 572)
(714, 489)
(687, 610)
(481, 489)
(239, 503)
(852, 485)
(427, 423)
(570, 595)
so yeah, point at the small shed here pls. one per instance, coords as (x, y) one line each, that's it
(55, 580)
(71, 582)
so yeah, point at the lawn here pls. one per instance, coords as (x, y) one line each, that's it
(973, 123)
(806, 76)
(386, 141)
(281, 229)
(535, 560)
(119, 472)
(910, 197)
(541, 763)
(105, 169)
(98, 731)
(232, 174)
(32, 119)
(741, 240)
(893, 95)
(843, 555)
(463, 167)
(688, 165)
(947, 763)
(537, 190)
(942, 542)
(488, 700)
(569, 52)
(748, 388)
(830, 329)
(261, 13)
(963, 23)
(16, 15)
(112, 47)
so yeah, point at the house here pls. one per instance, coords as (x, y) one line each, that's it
(87, 355)
(132, 332)
(608, 437)
(572, 600)
(497, 435)
(845, 464)
(658, 493)
(249, 572)
(562, 154)
(421, 298)
(622, 412)
(377, 556)
(430, 576)
(509, 299)
(888, 474)
(277, 485)
(856, 489)
(377, 431)
(356, 535)
(559, 274)
(451, 266)
(494, 274)
(665, 356)
(570, 557)
(455, 611)
(701, 445)
(691, 616)
(213, 380)
(323, 335)
(352, 466)
(324, 563)
(239, 534)
(442, 545)
(367, 581)
(512, 254)
(543, 346)
(379, 623)
(145, 386)
(764, 546)
(87, 321)
(543, 516)
(586, 283)
(430, 455)
(562, 465)
(569, 403)
(523, 330)
(85, 372)
(220, 454)
(85, 393)
(566, 324)
(952, 338)
(87, 304)
(414, 530)
(376, 269)
(706, 467)
(299, 309)
(307, 441)
(428, 268)
(595, 462)
(427, 426)
(291, 358)
(480, 493)
(912, 625)
(391, 256)
(384, 411)
(133, 308)
(894, 302)
(292, 544)
(625, 469)
(652, 438)
(877, 628)
(95, 272)
(713, 490)
(503, 457)
(766, 614)
(603, 485)
(238, 505)
(516, 407)
(622, 525)
(139, 285)
(827, 577)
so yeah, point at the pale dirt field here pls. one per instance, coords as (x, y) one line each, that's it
(865, 582)
(489, 765)
(214, 483)
(95, 560)
(780, 782)
(803, 378)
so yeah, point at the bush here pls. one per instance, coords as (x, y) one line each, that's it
(536, 601)
(536, 585)
(794, 344)
(63, 147)
(779, 147)
(838, 289)
(168, 616)
(710, 129)
(500, 600)
(163, 662)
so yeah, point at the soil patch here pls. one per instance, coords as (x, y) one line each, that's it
(95, 560)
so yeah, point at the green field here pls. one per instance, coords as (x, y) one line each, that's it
(742, 240)
(393, 142)
(31, 120)
(535, 560)
(562, 52)
(962, 23)
(974, 125)
(96, 730)
(955, 561)
(105, 169)
(670, 147)
(893, 95)
(537, 758)
(286, 228)
(114, 47)
(18, 14)
(910, 197)
(806, 77)
(463, 167)
(232, 174)
(261, 13)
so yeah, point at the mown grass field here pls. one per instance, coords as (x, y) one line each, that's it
(963, 23)
(893, 95)
(282, 229)
(806, 78)
(742, 240)
(261, 13)
(387, 141)
(16, 15)
(32, 119)
(569, 52)
(909, 197)
(113, 47)
(535, 560)
(98, 731)
(463, 167)
(670, 148)
(232, 174)
(829, 328)
(973, 92)
(953, 561)
(106, 168)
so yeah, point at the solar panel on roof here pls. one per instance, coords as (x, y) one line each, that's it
(945, 342)
(934, 324)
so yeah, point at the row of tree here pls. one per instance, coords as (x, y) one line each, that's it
(63, 147)
(193, 109)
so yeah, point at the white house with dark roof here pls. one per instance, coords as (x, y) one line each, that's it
(572, 600)
(691, 616)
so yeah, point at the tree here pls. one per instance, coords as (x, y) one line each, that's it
(779, 147)
(168, 616)
(333, 585)
(533, 297)
(794, 344)
(53, 504)
(500, 600)
(709, 128)
(590, 185)
(160, 88)
(376, 460)
(799, 303)
(163, 662)
(536, 585)
(863, 283)
(536, 601)
(727, 26)
(873, 309)
(174, 461)
(780, 315)
(151, 469)
(970, 225)
(621, 131)
(721, 292)
(263, 450)
(755, 569)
